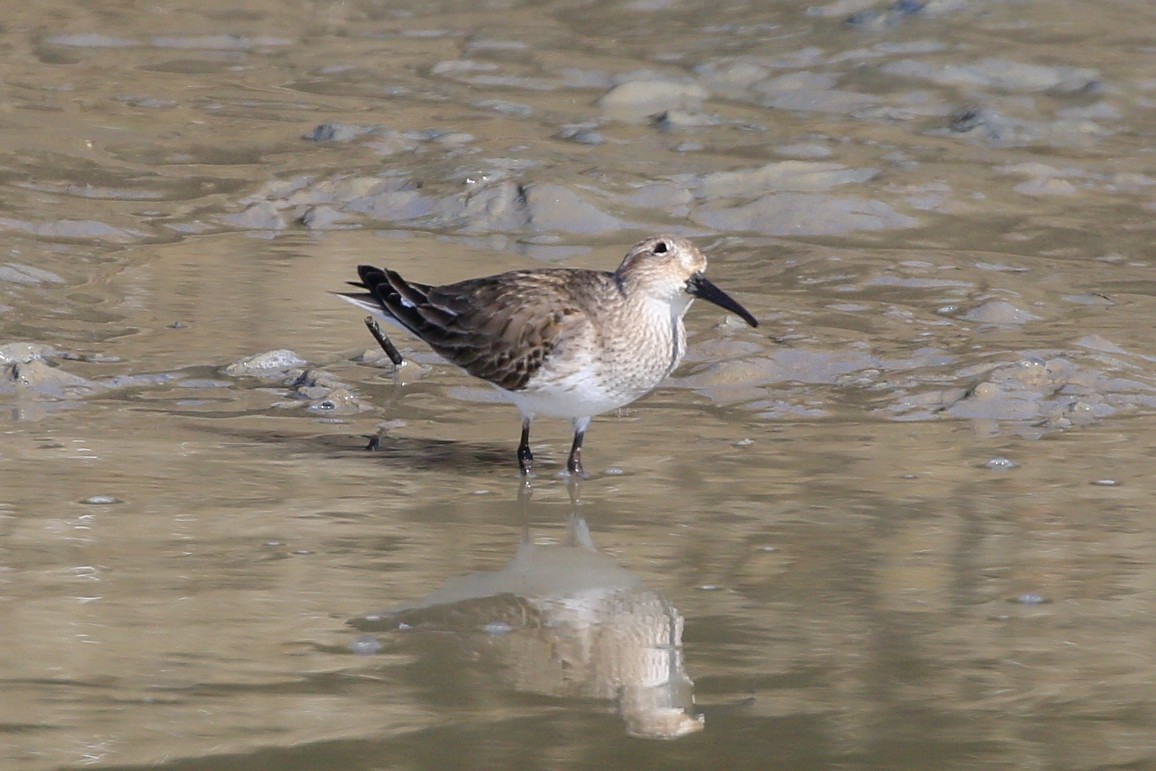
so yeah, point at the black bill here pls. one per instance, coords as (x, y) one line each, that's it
(698, 286)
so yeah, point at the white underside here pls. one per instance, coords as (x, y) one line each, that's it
(578, 388)
(568, 400)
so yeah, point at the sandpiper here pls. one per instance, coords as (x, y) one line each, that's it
(558, 342)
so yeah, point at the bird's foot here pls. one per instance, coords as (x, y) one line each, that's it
(574, 468)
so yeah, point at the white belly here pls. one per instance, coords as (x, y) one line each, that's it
(576, 396)
(586, 385)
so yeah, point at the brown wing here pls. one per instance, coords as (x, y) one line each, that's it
(499, 328)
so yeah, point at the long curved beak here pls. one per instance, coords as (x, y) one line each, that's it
(698, 286)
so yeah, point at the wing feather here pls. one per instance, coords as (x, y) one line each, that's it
(499, 328)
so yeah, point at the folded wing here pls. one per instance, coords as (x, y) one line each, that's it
(496, 328)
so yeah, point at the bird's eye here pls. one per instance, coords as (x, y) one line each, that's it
(660, 247)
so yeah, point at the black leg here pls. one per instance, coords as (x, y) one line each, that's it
(525, 457)
(574, 462)
(385, 343)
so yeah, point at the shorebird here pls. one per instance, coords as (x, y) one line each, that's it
(558, 342)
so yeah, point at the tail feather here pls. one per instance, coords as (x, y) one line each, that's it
(397, 288)
(390, 297)
(479, 324)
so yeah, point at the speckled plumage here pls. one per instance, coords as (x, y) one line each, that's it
(558, 342)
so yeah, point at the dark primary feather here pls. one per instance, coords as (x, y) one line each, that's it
(499, 328)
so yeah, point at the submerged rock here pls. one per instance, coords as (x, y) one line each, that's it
(557, 208)
(270, 364)
(25, 371)
(785, 214)
(14, 273)
(318, 390)
(37, 376)
(325, 393)
(337, 132)
(999, 312)
(638, 100)
(18, 353)
(997, 74)
(79, 230)
(783, 176)
(1052, 393)
(889, 17)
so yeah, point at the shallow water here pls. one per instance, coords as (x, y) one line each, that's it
(904, 524)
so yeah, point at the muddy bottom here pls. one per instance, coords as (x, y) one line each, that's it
(904, 523)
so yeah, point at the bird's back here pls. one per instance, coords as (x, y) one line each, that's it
(499, 328)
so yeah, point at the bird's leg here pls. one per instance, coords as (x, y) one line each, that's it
(394, 356)
(525, 457)
(384, 341)
(574, 462)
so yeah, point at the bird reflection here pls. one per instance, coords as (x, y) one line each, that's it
(566, 620)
